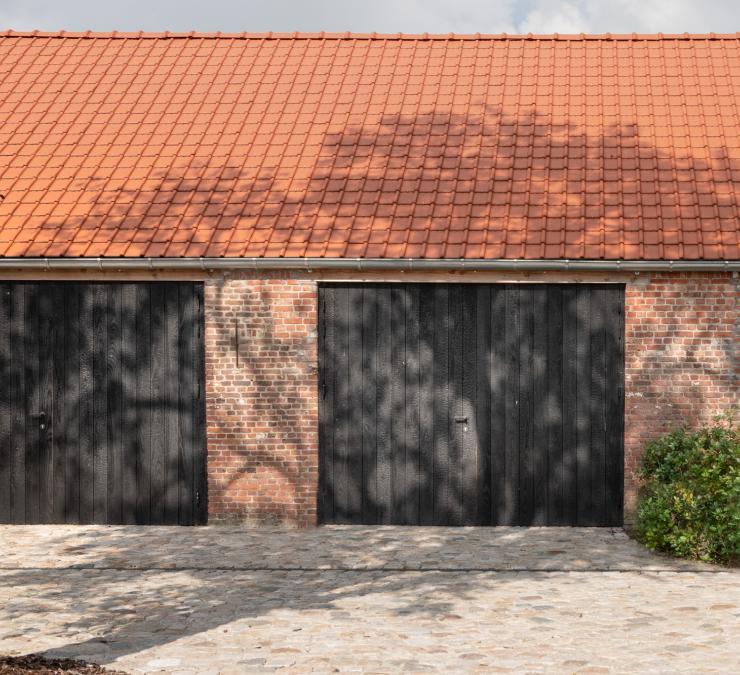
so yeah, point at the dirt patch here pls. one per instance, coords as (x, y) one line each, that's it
(33, 663)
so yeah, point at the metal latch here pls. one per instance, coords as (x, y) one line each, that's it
(41, 417)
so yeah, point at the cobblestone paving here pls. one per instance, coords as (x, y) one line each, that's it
(229, 600)
(344, 547)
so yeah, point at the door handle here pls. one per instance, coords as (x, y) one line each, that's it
(461, 420)
(41, 417)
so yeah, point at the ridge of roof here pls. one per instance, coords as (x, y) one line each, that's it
(296, 35)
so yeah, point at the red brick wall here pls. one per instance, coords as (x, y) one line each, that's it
(682, 336)
(262, 399)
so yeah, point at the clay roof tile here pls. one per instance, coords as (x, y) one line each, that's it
(555, 146)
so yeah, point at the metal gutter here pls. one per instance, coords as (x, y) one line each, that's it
(362, 264)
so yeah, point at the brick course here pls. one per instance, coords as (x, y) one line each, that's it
(682, 335)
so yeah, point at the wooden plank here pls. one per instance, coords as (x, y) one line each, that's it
(397, 379)
(597, 406)
(326, 403)
(410, 504)
(114, 402)
(553, 414)
(353, 468)
(72, 403)
(498, 405)
(526, 408)
(6, 404)
(99, 339)
(468, 430)
(48, 320)
(188, 320)
(369, 406)
(200, 444)
(156, 356)
(32, 403)
(18, 406)
(426, 404)
(129, 422)
(107, 275)
(341, 406)
(87, 394)
(442, 405)
(427, 276)
(540, 424)
(454, 493)
(58, 412)
(614, 448)
(583, 405)
(170, 393)
(384, 375)
(332, 276)
(482, 429)
(569, 405)
(509, 515)
(142, 369)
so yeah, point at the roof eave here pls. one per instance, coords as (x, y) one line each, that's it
(408, 264)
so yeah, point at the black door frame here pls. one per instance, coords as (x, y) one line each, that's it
(102, 402)
(566, 338)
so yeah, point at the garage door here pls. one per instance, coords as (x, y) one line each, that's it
(471, 404)
(102, 403)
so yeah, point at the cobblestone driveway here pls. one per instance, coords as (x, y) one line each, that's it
(230, 600)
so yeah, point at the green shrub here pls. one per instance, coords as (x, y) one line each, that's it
(690, 497)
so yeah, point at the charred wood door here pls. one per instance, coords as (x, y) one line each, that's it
(462, 404)
(102, 406)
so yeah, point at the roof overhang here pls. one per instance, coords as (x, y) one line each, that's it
(408, 264)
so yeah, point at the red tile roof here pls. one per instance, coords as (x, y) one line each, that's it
(579, 147)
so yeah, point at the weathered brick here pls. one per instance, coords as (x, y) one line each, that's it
(262, 401)
(682, 335)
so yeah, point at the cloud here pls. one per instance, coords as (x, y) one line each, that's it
(391, 16)
(628, 16)
(409, 16)
(566, 17)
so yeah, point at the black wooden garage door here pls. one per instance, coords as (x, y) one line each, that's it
(102, 403)
(471, 404)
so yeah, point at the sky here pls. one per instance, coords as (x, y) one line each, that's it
(388, 16)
